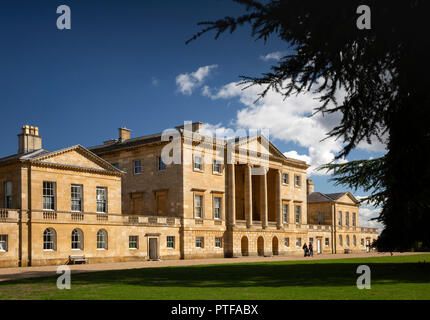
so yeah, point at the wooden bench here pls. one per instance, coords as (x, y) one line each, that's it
(347, 251)
(81, 259)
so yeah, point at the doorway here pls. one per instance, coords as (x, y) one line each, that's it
(318, 246)
(153, 249)
(275, 246)
(244, 246)
(260, 246)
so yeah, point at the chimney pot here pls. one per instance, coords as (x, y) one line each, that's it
(124, 134)
(29, 139)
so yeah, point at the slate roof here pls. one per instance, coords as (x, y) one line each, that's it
(326, 197)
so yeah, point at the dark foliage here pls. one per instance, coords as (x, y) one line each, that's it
(384, 72)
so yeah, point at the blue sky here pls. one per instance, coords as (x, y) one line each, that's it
(119, 66)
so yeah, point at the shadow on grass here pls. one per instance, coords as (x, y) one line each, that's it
(249, 275)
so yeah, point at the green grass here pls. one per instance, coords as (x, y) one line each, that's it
(397, 277)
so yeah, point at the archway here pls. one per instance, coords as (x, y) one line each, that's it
(260, 246)
(244, 246)
(275, 246)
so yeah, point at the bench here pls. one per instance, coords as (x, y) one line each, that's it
(347, 251)
(80, 259)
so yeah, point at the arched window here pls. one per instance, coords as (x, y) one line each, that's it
(340, 240)
(49, 239)
(354, 241)
(77, 239)
(347, 241)
(102, 239)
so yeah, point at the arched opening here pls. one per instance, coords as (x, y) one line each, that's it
(49, 239)
(77, 239)
(260, 246)
(102, 239)
(244, 246)
(275, 246)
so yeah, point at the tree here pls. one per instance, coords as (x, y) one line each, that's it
(384, 73)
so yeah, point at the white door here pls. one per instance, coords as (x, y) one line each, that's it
(367, 245)
(319, 246)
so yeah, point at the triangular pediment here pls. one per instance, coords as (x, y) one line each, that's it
(76, 156)
(348, 198)
(260, 144)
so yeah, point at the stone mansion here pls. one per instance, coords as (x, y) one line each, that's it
(120, 201)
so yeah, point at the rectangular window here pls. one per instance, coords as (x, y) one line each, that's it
(76, 194)
(198, 163)
(297, 181)
(101, 199)
(285, 178)
(161, 164)
(133, 242)
(217, 208)
(354, 219)
(362, 242)
(339, 217)
(298, 242)
(311, 240)
(216, 166)
(137, 166)
(199, 242)
(218, 242)
(8, 194)
(285, 212)
(48, 195)
(320, 217)
(327, 241)
(298, 214)
(287, 242)
(3, 242)
(170, 242)
(198, 206)
(347, 218)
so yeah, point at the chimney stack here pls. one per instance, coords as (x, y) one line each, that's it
(309, 186)
(29, 139)
(124, 134)
(190, 126)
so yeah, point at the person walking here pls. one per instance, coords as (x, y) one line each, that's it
(306, 250)
(311, 249)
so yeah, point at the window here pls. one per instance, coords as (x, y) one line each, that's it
(354, 219)
(199, 242)
(76, 194)
(354, 241)
(48, 195)
(311, 240)
(347, 241)
(102, 239)
(8, 194)
(3, 242)
(77, 239)
(285, 212)
(49, 239)
(218, 242)
(137, 166)
(297, 181)
(327, 242)
(216, 166)
(198, 163)
(217, 208)
(347, 219)
(160, 164)
(285, 178)
(298, 214)
(340, 241)
(362, 242)
(198, 206)
(101, 199)
(320, 217)
(298, 242)
(171, 242)
(287, 242)
(339, 217)
(133, 242)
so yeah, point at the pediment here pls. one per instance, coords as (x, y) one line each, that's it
(348, 198)
(260, 144)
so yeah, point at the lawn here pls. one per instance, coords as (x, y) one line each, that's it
(397, 277)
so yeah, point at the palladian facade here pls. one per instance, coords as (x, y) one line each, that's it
(172, 195)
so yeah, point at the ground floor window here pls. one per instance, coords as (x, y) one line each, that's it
(327, 241)
(311, 240)
(77, 239)
(298, 242)
(340, 241)
(218, 242)
(362, 242)
(3, 242)
(354, 241)
(49, 239)
(133, 242)
(171, 242)
(102, 239)
(199, 242)
(287, 242)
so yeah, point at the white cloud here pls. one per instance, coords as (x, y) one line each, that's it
(293, 154)
(187, 82)
(155, 82)
(277, 55)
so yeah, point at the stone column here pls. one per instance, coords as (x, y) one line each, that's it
(278, 200)
(248, 195)
(231, 190)
(264, 210)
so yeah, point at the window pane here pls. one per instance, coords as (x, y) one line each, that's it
(101, 199)
(76, 194)
(48, 195)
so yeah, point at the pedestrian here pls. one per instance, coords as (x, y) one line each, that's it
(311, 249)
(306, 250)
